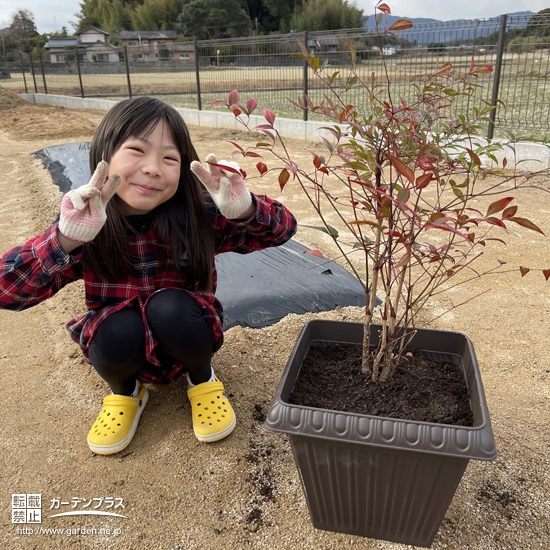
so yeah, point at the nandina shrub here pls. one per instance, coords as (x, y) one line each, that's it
(402, 178)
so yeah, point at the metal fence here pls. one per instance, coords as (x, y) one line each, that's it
(194, 74)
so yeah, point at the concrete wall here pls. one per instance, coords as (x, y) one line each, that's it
(528, 157)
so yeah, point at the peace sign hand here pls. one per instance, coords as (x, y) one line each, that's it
(225, 183)
(83, 209)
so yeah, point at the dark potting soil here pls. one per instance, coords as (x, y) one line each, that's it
(420, 389)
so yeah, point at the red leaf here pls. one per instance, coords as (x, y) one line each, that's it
(317, 162)
(283, 178)
(484, 69)
(524, 270)
(236, 145)
(384, 8)
(524, 222)
(509, 212)
(267, 133)
(495, 221)
(313, 253)
(504, 162)
(546, 273)
(262, 168)
(426, 162)
(423, 181)
(401, 25)
(251, 154)
(227, 168)
(251, 105)
(401, 167)
(233, 97)
(474, 157)
(269, 116)
(236, 110)
(499, 205)
(447, 68)
(219, 102)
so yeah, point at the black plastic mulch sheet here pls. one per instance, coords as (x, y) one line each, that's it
(256, 289)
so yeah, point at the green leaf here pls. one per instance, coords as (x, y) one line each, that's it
(283, 178)
(404, 195)
(328, 229)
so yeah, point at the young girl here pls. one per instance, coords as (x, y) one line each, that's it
(143, 234)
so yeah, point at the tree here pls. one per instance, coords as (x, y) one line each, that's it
(206, 19)
(22, 29)
(156, 15)
(437, 47)
(539, 24)
(402, 179)
(326, 15)
(63, 33)
(109, 15)
(274, 15)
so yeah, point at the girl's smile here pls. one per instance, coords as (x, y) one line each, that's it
(149, 168)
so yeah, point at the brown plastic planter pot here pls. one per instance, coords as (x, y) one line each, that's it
(377, 477)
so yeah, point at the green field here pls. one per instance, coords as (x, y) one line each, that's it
(524, 87)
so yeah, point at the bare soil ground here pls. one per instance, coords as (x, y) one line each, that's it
(242, 492)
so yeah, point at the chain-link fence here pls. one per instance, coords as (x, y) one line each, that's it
(195, 73)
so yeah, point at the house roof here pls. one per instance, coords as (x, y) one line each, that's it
(61, 43)
(137, 35)
(99, 45)
(183, 46)
(327, 40)
(93, 29)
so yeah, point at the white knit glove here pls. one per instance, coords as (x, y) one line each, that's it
(226, 188)
(83, 209)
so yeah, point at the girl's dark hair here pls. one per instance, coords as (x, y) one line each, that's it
(181, 221)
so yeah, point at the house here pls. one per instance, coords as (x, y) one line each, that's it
(184, 52)
(91, 45)
(148, 45)
(329, 43)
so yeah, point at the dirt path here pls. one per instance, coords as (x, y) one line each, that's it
(243, 492)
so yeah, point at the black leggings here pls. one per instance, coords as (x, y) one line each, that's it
(117, 350)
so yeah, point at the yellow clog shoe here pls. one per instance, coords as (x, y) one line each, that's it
(213, 415)
(117, 422)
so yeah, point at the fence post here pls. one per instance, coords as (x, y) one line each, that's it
(496, 79)
(43, 72)
(197, 73)
(23, 71)
(127, 72)
(79, 75)
(33, 75)
(304, 79)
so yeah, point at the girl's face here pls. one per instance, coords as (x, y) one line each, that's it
(149, 169)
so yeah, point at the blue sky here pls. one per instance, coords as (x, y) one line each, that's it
(51, 15)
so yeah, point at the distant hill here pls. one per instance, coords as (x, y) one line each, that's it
(434, 30)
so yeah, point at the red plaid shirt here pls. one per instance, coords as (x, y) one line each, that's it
(35, 271)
